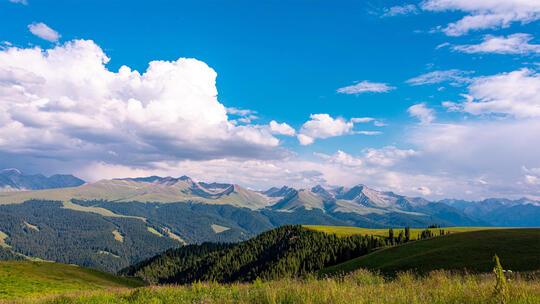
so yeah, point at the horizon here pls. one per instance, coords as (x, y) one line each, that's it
(260, 190)
(413, 97)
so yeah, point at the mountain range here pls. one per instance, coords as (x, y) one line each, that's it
(357, 201)
(110, 224)
(14, 180)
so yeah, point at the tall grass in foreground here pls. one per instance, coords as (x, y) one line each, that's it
(359, 287)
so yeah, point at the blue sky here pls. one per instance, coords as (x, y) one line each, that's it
(440, 135)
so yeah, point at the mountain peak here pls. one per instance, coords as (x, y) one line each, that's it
(13, 179)
(10, 171)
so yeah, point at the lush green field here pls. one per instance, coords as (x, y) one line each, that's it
(31, 279)
(344, 231)
(519, 250)
(359, 287)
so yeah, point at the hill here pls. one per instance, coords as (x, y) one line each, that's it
(286, 251)
(15, 180)
(518, 249)
(31, 279)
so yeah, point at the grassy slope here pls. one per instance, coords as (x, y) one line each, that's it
(30, 279)
(343, 231)
(519, 250)
(358, 288)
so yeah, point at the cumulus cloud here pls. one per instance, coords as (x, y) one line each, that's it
(366, 87)
(324, 126)
(64, 103)
(512, 44)
(244, 116)
(422, 112)
(486, 155)
(281, 128)
(454, 76)
(485, 14)
(516, 93)
(400, 10)
(44, 32)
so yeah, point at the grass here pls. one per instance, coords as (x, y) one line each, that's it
(153, 231)
(344, 231)
(35, 279)
(219, 229)
(359, 287)
(118, 236)
(3, 238)
(519, 249)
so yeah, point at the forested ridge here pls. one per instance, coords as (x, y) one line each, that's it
(290, 250)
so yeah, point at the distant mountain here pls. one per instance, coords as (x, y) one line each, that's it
(375, 205)
(15, 180)
(150, 189)
(113, 223)
(500, 211)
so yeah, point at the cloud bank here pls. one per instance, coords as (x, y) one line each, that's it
(64, 103)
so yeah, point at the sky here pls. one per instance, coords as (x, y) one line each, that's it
(433, 98)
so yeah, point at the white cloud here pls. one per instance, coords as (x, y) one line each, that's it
(495, 150)
(44, 32)
(422, 190)
(400, 10)
(423, 113)
(362, 119)
(324, 126)
(512, 44)
(64, 103)
(305, 140)
(281, 128)
(485, 14)
(24, 2)
(516, 93)
(365, 87)
(444, 44)
(341, 158)
(532, 175)
(454, 76)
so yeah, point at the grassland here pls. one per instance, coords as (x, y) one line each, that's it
(3, 238)
(33, 279)
(359, 287)
(519, 250)
(344, 231)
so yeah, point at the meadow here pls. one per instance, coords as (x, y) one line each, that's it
(518, 249)
(360, 286)
(23, 279)
(415, 233)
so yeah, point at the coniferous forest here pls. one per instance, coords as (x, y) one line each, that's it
(287, 251)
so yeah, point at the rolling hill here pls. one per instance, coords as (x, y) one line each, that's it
(289, 250)
(518, 249)
(37, 279)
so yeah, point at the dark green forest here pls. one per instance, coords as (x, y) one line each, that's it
(46, 230)
(287, 251)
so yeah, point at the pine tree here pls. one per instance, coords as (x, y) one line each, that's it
(407, 234)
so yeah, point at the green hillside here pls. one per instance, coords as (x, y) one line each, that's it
(344, 231)
(29, 279)
(519, 250)
(289, 250)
